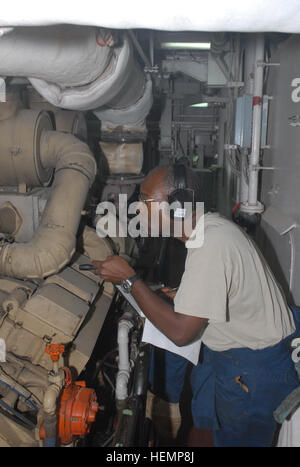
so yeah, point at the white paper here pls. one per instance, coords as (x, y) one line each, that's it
(153, 336)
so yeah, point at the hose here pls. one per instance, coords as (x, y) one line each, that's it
(27, 401)
(30, 425)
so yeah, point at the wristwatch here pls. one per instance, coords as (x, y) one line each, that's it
(127, 284)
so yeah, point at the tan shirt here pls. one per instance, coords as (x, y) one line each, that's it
(228, 281)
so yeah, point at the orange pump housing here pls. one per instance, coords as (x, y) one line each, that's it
(77, 409)
(76, 412)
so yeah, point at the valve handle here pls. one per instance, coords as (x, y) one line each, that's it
(55, 350)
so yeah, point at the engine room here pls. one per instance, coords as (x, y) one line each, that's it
(88, 109)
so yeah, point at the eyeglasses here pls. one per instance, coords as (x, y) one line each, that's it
(149, 200)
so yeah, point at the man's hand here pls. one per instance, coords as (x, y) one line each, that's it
(114, 269)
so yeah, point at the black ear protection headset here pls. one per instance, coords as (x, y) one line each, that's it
(181, 194)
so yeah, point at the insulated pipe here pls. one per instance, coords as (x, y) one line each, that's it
(57, 381)
(133, 115)
(66, 55)
(74, 67)
(20, 136)
(122, 83)
(55, 240)
(125, 325)
(256, 125)
(50, 398)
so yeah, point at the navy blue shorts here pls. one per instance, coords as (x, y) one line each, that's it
(234, 392)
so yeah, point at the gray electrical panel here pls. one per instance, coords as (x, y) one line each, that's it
(243, 121)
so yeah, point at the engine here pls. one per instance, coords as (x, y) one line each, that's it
(53, 309)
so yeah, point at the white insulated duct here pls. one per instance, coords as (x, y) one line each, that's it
(97, 92)
(84, 68)
(77, 68)
(65, 55)
(132, 116)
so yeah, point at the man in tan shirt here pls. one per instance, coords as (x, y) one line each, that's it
(236, 290)
(229, 298)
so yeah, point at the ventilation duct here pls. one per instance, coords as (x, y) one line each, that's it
(84, 68)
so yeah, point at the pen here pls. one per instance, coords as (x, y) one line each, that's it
(172, 290)
(87, 267)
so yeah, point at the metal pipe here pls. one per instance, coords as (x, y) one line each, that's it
(249, 63)
(244, 187)
(293, 259)
(139, 49)
(256, 122)
(50, 416)
(56, 378)
(125, 325)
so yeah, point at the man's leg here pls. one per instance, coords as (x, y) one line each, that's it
(246, 398)
(166, 380)
(203, 404)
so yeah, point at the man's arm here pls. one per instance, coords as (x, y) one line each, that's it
(181, 329)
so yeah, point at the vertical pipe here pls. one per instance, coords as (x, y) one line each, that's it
(244, 188)
(249, 63)
(125, 325)
(256, 121)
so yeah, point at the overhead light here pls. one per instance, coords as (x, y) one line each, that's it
(186, 45)
(200, 104)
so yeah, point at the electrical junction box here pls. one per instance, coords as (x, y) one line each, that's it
(243, 121)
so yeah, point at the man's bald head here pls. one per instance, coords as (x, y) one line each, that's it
(157, 219)
(160, 182)
(156, 184)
